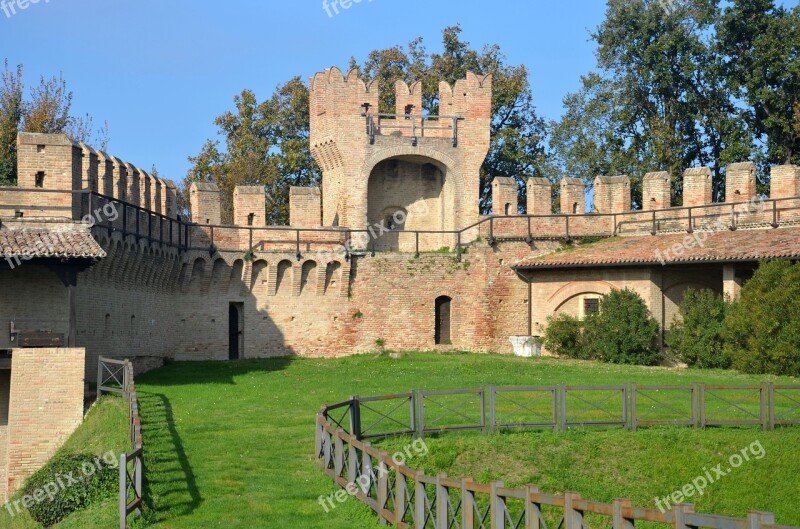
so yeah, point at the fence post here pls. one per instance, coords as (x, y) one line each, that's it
(757, 519)
(763, 395)
(123, 490)
(497, 506)
(420, 414)
(383, 486)
(695, 406)
(634, 425)
(338, 454)
(442, 497)
(420, 501)
(573, 518)
(137, 480)
(619, 520)
(318, 438)
(326, 449)
(355, 417)
(99, 376)
(399, 496)
(483, 410)
(352, 462)
(492, 415)
(467, 505)
(771, 406)
(563, 399)
(679, 513)
(625, 415)
(365, 480)
(701, 399)
(533, 509)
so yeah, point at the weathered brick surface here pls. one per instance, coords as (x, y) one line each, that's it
(573, 196)
(504, 196)
(612, 194)
(656, 191)
(540, 196)
(204, 201)
(697, 186)
(249, 206)
(305, 207)
(740, 182)
(46, 406)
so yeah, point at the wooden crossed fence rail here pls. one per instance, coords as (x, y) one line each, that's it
(411, 499)
(116, 376)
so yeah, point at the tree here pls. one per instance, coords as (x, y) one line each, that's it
(265, 143)
(697, 338)
(11, 88)
(47, 110)
(657, 100)
(761, 43)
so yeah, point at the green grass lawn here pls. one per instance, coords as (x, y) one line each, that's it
(231, 444)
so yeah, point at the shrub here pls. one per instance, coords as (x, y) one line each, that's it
(564, 336)
(622, 332)
(762, 329)
(56, 496)
(697, 339)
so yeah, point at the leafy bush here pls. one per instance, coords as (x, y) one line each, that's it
(622, 332)
(66, 484)
(697, 339)
(762, 329)
(564, 336)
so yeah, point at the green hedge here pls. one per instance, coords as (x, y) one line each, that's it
(762, 329)
(623, 332)
(66, 484)
(697, 338)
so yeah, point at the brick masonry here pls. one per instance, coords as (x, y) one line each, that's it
(45, 396)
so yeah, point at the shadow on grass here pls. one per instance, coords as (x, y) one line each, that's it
(211, 372)
(170, 488)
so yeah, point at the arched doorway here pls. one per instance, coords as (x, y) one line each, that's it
(442, 327)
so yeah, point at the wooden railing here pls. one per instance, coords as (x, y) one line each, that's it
(409, 498)
(116, 376)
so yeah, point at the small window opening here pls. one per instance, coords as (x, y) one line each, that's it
(575, 208)
(40, 149)
(250, 219)
(409, 110)
(591, 306)
(39, 182)
(508, 209)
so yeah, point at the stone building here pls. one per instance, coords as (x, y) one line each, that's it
(392, 247)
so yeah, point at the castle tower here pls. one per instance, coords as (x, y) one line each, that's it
(424, 170)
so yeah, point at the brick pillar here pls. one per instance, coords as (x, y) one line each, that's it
(731, 284)
(42, 415)
(540, 196)
(204, 202)
(612, 194)
(697, 186)
(573, 196)
(784, 181)
(656, 191)
(305, 207)
(247, 201)
(105, 174)
(170, 198)
(504, 196)
(740, 182)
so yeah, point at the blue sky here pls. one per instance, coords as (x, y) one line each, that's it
(160, 71)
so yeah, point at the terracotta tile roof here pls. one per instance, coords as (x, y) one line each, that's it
(699, 247)
(49, 243)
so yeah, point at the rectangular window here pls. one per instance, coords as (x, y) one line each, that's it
(591, 306)
(39, 179)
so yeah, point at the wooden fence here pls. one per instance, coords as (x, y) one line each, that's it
(410, 499)
(116, 376)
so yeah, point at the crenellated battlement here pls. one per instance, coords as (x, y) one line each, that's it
(375, 165)
(49, 163)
